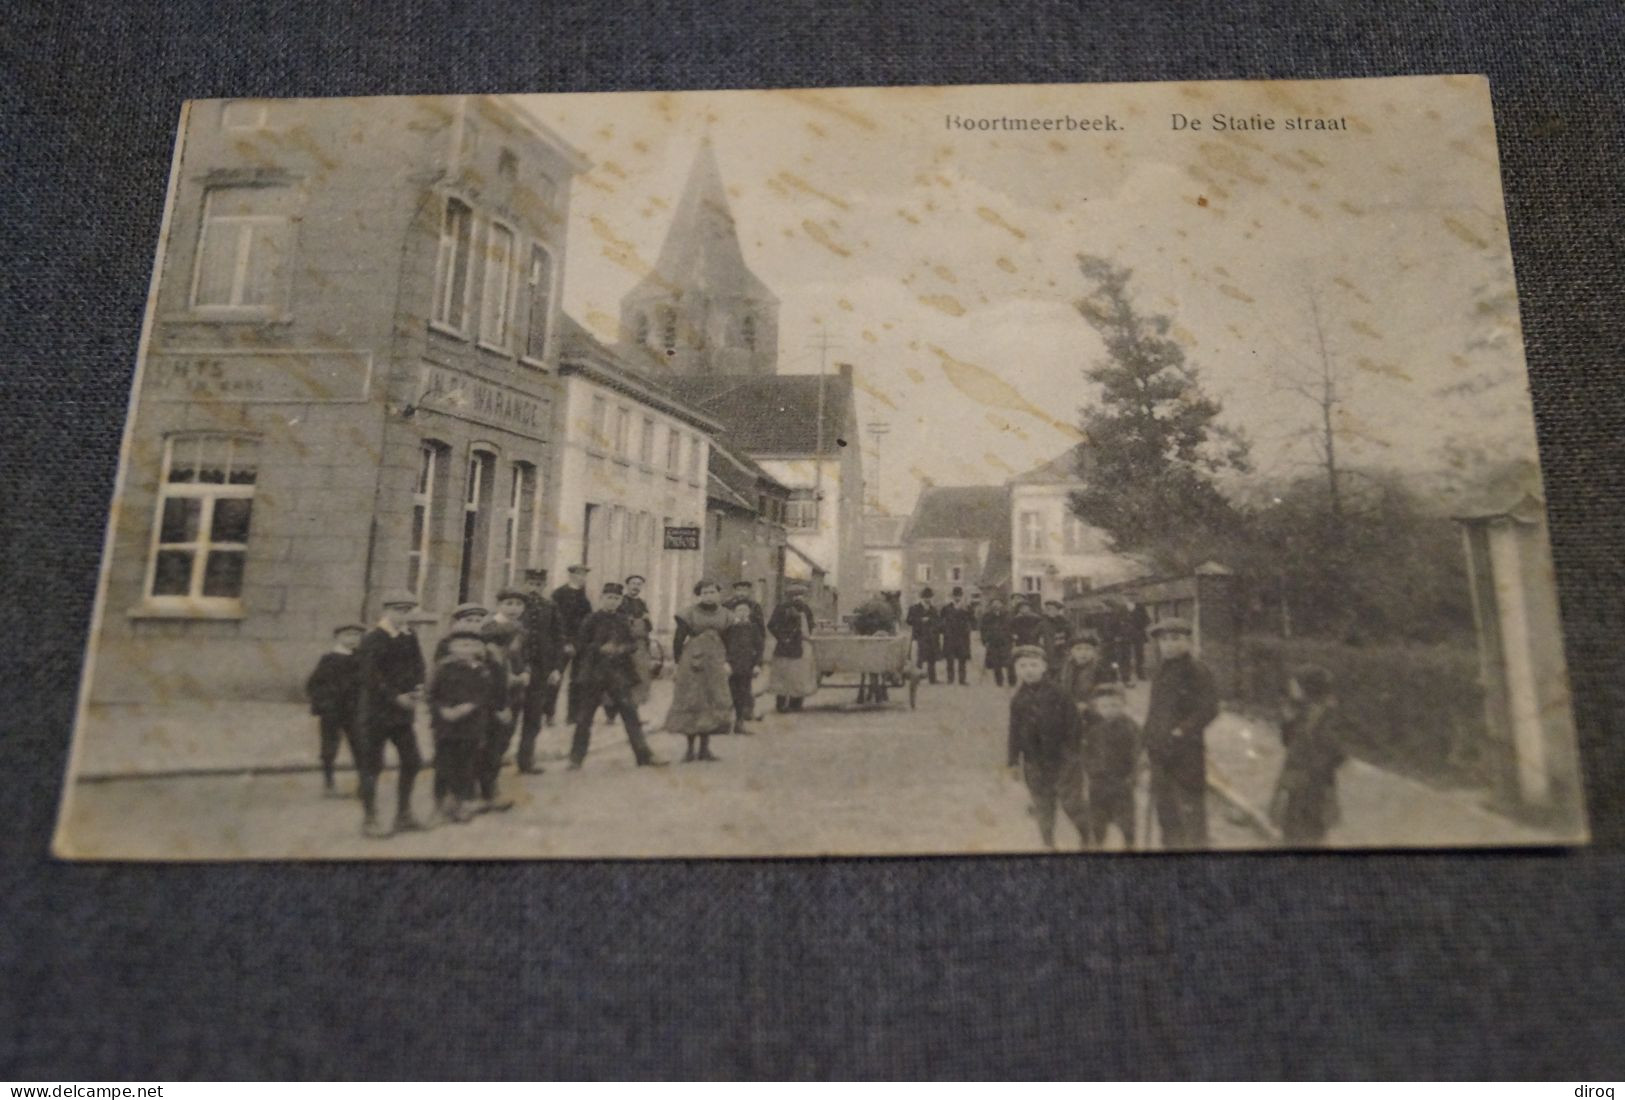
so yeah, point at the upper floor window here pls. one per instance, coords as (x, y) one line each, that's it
(922, 572)
(541, 302)
(205, 503)
(245, 114)
(747, 331)
(674, 450)
(623, 431)
(695, 447)
(640, 328)
(547, 189)
(802, 510)
(646, 442)
(1032, 582)
(451, 265)
(243, 250)
(497, 294)
(956, 573)
(600, 423)
(1074, 534)
(1032, 532)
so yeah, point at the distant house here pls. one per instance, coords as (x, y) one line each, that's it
(1053, 552)
(958, 536)
(883, 553)
(745, 508)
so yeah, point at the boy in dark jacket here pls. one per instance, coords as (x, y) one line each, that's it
(1084, 669)
(1184, 700)
(392, 675)
(460, 713)
(334, 688)
(746, 642)
(1111, 754)
(1046, 745)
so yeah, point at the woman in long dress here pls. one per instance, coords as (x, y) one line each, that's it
(794, 674)
(700, 702)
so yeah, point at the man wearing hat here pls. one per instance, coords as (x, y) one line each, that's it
(570, 598)
(957, 622)
(544, 657)
(1028, 627)
(603, 664)
(1183, 701)
(333, 689)
(926, 626)
(392, 675)
(1060, 635)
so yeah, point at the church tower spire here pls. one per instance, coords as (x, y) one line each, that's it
(702, 310)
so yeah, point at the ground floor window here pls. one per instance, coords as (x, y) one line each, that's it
(1032, 583)
(205, 506)
(476, 512)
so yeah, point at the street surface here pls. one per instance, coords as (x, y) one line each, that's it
(827, 780)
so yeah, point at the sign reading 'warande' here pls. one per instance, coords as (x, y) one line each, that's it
(1121, 468)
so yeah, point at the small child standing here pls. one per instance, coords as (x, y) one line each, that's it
(1111, 754)
(745, 640)
(1046, 745)
(460, 711)
(334, 690)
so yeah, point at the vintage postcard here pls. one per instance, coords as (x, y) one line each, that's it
(853, 471)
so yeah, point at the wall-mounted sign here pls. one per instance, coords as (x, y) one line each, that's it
(458, 394)
(682, 538)
(229, 374)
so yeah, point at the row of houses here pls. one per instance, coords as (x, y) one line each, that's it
(358, 377)
(1020, 537)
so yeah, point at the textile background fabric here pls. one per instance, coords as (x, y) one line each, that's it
(1487, 964)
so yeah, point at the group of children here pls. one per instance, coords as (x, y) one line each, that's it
(1073, 742)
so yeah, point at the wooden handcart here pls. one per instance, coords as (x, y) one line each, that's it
(870, 661)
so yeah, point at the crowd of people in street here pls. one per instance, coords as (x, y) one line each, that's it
(499, 672)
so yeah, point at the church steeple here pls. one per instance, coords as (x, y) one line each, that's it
(702, 310)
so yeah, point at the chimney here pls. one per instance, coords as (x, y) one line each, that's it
(845, 370)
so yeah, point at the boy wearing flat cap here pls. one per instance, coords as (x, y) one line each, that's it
(1045, 746)
(334, 688)
(460, 713)
(1111, 755)
(1184, 700)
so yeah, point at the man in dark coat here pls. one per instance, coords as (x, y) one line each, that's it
(1135, 627)
(1045, 746)
(392, 675)
(545, 658)
(926, 626)
(1060, 634)
(1028, 627)
(995, 629)
(957, 622)
(604, 670)
(573, 607)
(334, 688)
(1184, 700)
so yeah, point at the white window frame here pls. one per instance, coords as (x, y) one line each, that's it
(238, 223)
(200, 547)
(1074, 532)
(674, 452)
(598, 423)
(922, 572)
(520, 474)
(1031, 523)
(623, 432)
(646, 443)
(482, 464)
(1032, 583)
(531, 354)
(695, 448)
(956, 574)
(496, 303)
(417, 555)
(445, 266)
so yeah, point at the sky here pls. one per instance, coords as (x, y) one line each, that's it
(943, 263)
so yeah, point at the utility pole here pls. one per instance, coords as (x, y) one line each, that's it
(877, 432)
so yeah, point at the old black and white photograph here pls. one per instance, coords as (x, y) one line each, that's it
(865, 471)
